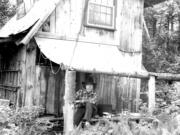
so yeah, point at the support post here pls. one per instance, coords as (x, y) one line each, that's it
(69, 97)
(151, 93)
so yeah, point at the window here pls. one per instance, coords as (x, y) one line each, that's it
(46, 26)
(19, 2)
(100, 13)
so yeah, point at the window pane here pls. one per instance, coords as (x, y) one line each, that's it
(97, 8)
(91, 7)
(103, 9)
(103, 18)
(97, 18)
(19, 2)
(104, 2)
(108, 20)
(92, 0)
(110, 2)
(109, 10)
(91, 17)
(100, 15)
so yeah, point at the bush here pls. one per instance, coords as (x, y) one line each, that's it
(20, 121)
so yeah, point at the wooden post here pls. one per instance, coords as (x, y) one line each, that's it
(68, 108)
(151, 93)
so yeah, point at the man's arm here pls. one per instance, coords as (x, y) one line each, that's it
(78, 94)
(94, 98)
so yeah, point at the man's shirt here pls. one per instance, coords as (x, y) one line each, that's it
(84, 95)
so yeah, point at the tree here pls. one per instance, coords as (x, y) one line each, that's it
(6, 11)
(162, 52)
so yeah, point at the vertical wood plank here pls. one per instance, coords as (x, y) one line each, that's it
(43, 86)
(131, 12)
(151, 93)
(137, 96)
(113, 94)
(53, 22)
(37, 95)
(58, 83)
(50, 95)
(62, 91)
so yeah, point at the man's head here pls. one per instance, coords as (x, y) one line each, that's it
(89, 85)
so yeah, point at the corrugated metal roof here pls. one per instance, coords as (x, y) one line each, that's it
(37, 15)
(90, 57)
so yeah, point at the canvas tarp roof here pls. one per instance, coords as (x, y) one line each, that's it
(36, 16)
(83, 56)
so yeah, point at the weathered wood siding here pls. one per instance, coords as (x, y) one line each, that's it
(130, 23)
(68, 20)
(12, 63)
(120, 93)
(49, 89)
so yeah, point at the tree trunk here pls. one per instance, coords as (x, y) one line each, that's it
(69, 97)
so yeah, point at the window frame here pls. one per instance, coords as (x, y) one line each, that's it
(101, 26)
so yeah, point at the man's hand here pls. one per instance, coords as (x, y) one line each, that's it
(81, 101)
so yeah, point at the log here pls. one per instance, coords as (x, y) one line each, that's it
(166, 76)
(69, 97)
(151, 93)
(140, 75)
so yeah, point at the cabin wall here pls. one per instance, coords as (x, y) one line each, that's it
(12, 63)
(68, 21)
(120, 93)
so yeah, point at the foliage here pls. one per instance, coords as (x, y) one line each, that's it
(164, 124)
(22, 121)
(6, 11)
(161, 52)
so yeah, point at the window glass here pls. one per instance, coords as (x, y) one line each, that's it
(100, 13)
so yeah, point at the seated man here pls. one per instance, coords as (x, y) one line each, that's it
(85, 103)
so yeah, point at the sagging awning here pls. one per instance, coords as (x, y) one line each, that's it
(90, 57)
(35, 17)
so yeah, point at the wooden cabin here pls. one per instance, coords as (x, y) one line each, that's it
(98, 38)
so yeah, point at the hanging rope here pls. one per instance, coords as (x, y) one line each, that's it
(51, 66)
(52, 70)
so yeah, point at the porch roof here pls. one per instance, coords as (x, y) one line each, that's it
(35, 17)
(90, 57)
